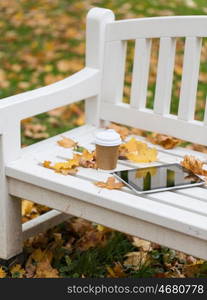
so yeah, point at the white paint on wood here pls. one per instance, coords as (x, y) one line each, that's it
(140, 73)
(192, 131)
(106, 216)
(43, 223)
(175, 26)
(113, 72)
(97, 19)
(82, 85)
(189, 81)
(163, 91)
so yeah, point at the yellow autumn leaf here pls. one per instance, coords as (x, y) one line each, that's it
(2, 273)
(137, 151)
(27, 207)
(87, 155)
(17, 271)
(150, 155)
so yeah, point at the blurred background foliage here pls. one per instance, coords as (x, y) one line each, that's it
(41, 42)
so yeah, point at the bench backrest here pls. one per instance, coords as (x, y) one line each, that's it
(114, 43)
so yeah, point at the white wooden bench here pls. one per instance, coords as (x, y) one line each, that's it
(177, 219)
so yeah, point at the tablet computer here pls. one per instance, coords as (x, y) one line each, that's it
(158, 178)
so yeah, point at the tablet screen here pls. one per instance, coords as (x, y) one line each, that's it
(158, 177)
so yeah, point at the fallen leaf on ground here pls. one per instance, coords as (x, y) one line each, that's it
(17, 271)
(136, 259)
(137, 151)
(163, 140)
(45, 270)
(91, 239)
(27, 207)
(66, 142)
(110, 184)
(139, 243)
(116, 271)
(35, 131)
(2, 273)
(193, 164)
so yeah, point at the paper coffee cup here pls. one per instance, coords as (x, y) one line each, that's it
(107, 149)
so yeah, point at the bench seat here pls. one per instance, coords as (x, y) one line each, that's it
(176, 219)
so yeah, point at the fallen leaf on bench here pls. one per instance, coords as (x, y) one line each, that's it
(137, 151)
(122, 130)
(110, 184)
(86, 159)
(65, 168)
(66, 142)
(193, 164)
(167, 142)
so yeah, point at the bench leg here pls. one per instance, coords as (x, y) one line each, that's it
(11, 242)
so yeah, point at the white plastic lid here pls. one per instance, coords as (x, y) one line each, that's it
(108, 138)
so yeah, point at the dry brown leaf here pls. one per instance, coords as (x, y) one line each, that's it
(193, 164)
(110, 184)
(163, 140)
(63, 65)
(116, 272)
(45, 270)
(80, 226)
(66, 142)
(197, 147)
(91, 239)
(35, 131)
(86, 159)
(139, 243)
(122, 130)
(136, 259)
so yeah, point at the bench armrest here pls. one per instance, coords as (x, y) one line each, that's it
(81, 85)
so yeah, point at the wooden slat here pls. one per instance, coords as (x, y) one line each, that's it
(81, 85)
(175, 26)
(43, 223)
(132, 205)
(192, 131)
(165, 69)
(205, 115)
(114, 219)
(140, 73)
(114, 71)
(97, 18)
(163, 204)
(189, 78)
